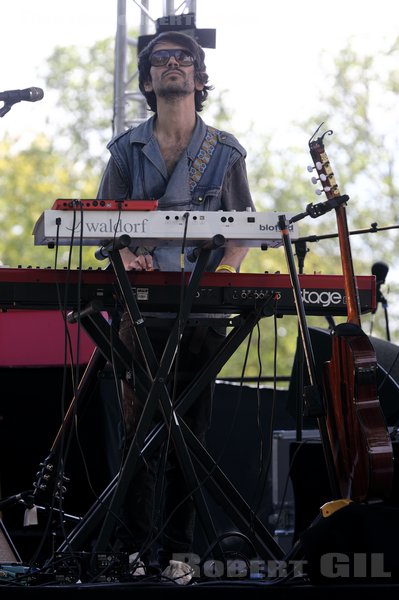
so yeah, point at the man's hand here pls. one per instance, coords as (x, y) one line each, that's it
(134, 262)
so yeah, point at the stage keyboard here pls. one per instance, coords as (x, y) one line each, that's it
(94, 227)
(161, 291)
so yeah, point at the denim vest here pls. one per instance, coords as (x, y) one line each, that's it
(137, 155)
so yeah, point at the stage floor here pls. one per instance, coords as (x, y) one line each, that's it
(235, 589)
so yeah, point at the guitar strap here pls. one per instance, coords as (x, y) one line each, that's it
(203, 157)
(196, 171)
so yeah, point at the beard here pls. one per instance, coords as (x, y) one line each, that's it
(175, 88)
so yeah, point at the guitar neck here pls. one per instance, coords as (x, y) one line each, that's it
(330, 188)
(351, 290)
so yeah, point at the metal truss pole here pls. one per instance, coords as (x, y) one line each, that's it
(118, 123)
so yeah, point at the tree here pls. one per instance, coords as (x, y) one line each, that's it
(361, 89)
(358, 104)
(30, 181)
(82, 83)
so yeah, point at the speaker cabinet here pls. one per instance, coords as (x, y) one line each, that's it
(31, 414)
(310, 482)
(8, 552)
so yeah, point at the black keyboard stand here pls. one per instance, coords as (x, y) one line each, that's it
(199, 468)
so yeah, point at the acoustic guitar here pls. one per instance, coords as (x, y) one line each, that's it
(358, 435)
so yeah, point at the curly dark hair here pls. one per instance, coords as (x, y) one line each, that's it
(188, 42)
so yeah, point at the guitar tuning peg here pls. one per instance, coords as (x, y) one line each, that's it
(322, 177)
(325, 189)
(318, 166)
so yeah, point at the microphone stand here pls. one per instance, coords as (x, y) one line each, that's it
(313, 396)
(318, 209)
(316, 238)
(384, 304)
(304, 350)
(300, 250)
(4, 109)
(380, 270)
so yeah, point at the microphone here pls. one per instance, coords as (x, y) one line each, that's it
(122, 242)
(32, 94)
(14, 499)
(380, 270)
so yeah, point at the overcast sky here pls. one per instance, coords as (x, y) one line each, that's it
(267, 53)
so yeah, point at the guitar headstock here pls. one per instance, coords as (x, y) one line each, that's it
(50, 484)
(323, 167)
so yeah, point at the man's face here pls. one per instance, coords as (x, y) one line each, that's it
(176, 77)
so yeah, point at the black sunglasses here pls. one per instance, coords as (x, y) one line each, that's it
(159, 58)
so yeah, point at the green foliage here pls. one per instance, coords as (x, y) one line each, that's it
(30, 181)
(82, 82)
(358, 103)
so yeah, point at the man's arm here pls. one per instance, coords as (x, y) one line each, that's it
(236, 195)
(113, 187)
(233, 257)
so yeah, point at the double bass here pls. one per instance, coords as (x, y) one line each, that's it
(358, 436)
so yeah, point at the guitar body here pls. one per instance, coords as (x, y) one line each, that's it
(359, 440)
